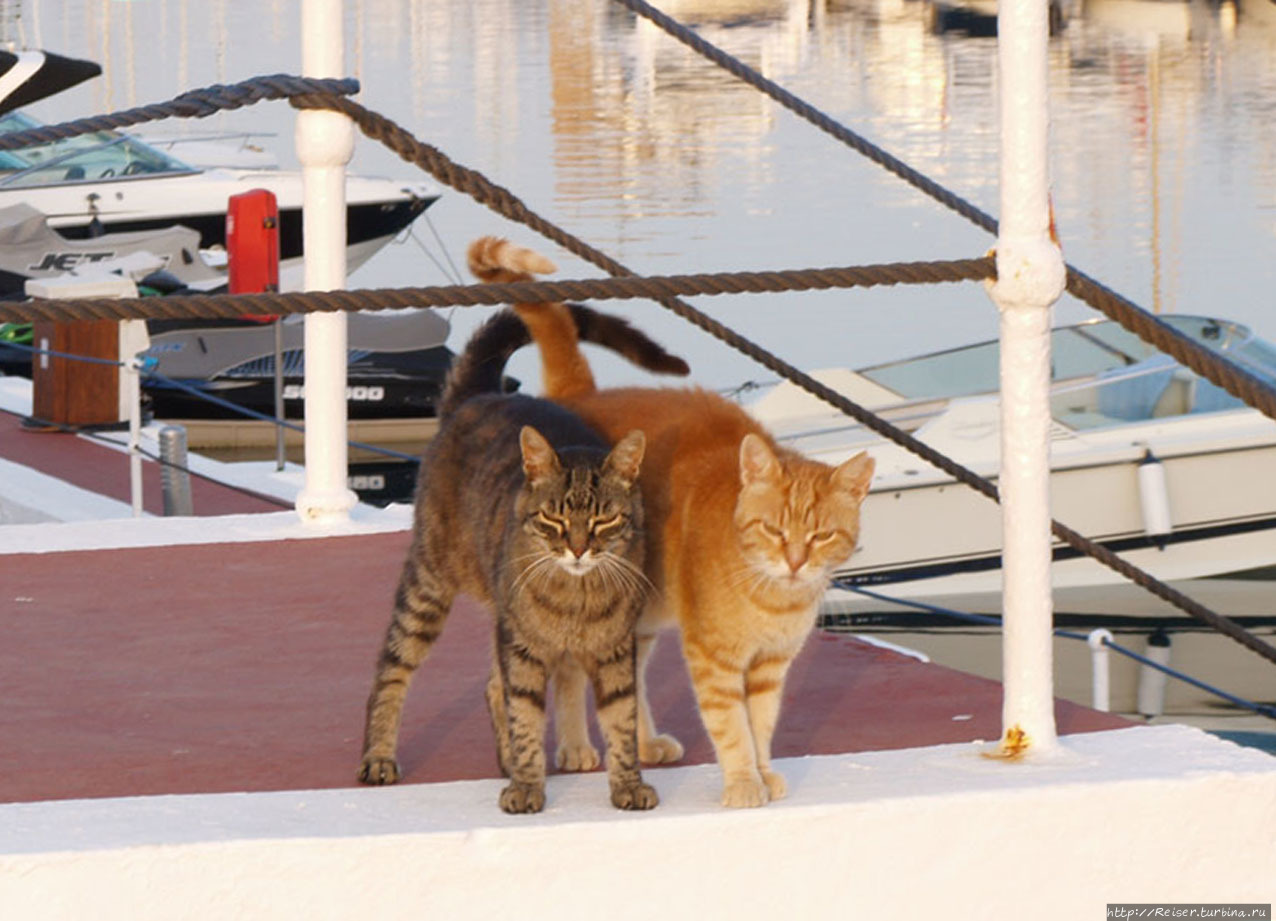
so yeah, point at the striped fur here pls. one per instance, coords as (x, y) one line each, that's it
(742, 535)
(525, 508)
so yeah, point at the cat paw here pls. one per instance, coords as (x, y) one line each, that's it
(576, 757)
(636, 795)
(379, 771)
(745, 793)
(775, 784)
(523, 797)
(661, 749)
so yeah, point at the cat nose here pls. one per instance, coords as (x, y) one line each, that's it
(796, 557)
(578, 544)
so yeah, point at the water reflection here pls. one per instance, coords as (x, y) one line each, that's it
(1164, 141)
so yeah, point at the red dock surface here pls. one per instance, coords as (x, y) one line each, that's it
(245, 667)
(104, 470)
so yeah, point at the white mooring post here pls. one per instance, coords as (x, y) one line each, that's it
(1030, 278)
(325, 144)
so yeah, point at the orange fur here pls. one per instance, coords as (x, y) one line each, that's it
(741, 538)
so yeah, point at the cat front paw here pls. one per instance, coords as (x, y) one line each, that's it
(580, 757)
(523, 797)
(775, 784)
(379, 771)
(745, 792)
(636, 795)
(661, 749)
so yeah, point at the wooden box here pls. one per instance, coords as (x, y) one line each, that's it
(69, 392)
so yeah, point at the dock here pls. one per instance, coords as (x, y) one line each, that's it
(233, 667)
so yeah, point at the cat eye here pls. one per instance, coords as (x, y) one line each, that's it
(823, 537)
(599, 525)
(771, 530)
(550, 527)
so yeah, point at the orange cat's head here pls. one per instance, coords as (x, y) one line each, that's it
(798, 519)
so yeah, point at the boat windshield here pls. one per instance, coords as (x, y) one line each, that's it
(1101, 374)
(85, 158)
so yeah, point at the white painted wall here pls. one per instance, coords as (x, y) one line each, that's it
(1166, 814)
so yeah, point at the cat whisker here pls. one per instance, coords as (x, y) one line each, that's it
(744, 577)
(628, 574)
(534, 570)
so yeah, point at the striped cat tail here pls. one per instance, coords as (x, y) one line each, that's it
(611, 332)
(480, 368)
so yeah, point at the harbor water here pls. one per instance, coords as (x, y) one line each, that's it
(1163, 148)
(1163, 151)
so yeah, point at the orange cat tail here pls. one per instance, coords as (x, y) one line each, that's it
(565, 372)
(557, 329)
(498, 261)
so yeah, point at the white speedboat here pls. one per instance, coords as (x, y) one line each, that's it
(109, 182)
(1147, 458)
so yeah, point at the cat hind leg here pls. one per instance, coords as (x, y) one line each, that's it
(653, 747)
(574, 752)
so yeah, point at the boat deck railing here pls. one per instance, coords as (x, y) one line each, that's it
(332, 94)
(1099, 640)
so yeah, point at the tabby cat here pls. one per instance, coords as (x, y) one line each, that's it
(522, 506)
(741, 538)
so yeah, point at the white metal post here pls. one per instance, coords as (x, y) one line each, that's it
(133, 389)
(325, 144)
(1030, 278)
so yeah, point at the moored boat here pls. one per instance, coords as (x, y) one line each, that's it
(1147, 458)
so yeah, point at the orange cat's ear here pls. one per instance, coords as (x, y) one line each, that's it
(625, 459)
(539, 460)
(758, 463)
(854, 475)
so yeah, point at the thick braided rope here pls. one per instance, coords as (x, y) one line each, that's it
(199, 103)
(507, 204)
(1235, 380)
(233, 305)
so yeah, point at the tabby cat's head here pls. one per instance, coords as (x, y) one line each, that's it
(798, 519)
(582, 515)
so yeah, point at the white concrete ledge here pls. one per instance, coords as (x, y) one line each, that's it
(58, 536)
(1165, 814)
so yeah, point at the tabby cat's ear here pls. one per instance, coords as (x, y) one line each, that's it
(854, 475)
(539, 459)
(625, 459)
(758, 463)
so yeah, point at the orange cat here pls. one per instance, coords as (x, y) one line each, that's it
(741, 538)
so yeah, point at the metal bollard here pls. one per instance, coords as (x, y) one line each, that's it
(1100, 676)
(1152, 681)
(173, 474)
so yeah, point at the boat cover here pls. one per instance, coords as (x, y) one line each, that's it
(30, 248)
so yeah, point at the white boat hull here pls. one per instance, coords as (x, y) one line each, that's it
(943, 541)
